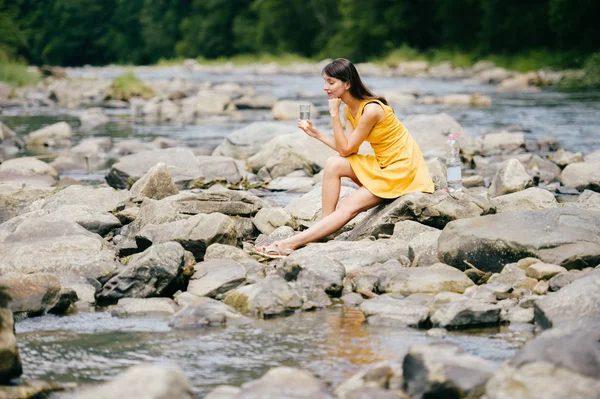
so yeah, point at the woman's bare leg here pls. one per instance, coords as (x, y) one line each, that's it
(335, 168)
(349, 207)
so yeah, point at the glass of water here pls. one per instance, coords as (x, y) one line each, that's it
(304, 111)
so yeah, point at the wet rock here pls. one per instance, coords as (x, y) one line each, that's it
(206, 312)
(434, 210)
(270, 297)
(144, 381)
(154, 272)
(390, 310)
(467, 313)
(32, 294)
(382, 375)
(444, 370)
(135, 307)
(10, 361)
(567, 237)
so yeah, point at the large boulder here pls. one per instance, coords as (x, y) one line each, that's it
(576, 304)
(568, 237)
(272, 296)
(431, 280)
(195, 233)
(354, 254)
(154, 272)
(434, 210)
(56, 247)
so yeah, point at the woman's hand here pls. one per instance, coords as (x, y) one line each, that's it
(308, 128)
(334, 106)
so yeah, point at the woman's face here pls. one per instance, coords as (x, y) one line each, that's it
(334, 87)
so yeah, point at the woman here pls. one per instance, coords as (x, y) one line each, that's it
(397, 168)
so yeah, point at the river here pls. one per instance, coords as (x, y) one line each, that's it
(332, 343)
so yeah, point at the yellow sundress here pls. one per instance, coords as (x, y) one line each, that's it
(398, 166)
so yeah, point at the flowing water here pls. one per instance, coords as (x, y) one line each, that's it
(332, 343)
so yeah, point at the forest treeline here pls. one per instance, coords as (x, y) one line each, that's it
(98, 32)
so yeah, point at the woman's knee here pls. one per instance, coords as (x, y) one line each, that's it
(349, 207)
(336, 164)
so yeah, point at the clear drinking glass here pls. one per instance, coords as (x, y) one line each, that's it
(304, 111)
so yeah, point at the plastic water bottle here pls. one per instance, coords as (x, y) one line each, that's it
(453, 164)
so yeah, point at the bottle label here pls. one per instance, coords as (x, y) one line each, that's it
(454, 173)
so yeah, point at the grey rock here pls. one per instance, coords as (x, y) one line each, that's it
(154, 272)
(434, 210)
(567, 237)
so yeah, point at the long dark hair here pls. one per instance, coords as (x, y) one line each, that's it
(345, 71)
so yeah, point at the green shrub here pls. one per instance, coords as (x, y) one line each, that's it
(127, 86)
(16, 74)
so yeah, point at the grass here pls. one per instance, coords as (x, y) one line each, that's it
(127, 86)
(16, 74)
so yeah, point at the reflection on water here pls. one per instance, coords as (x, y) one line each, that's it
(332, 343)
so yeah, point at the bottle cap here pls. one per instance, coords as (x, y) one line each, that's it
(454, 136)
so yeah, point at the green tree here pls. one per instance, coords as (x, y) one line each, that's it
(575, 23)
(368, 30)
(459, 23)
(76, 29)
(159, 20)
(208, 30)
(123, 38)
(515, 25)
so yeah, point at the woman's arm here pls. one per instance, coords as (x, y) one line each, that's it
(348, 145)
